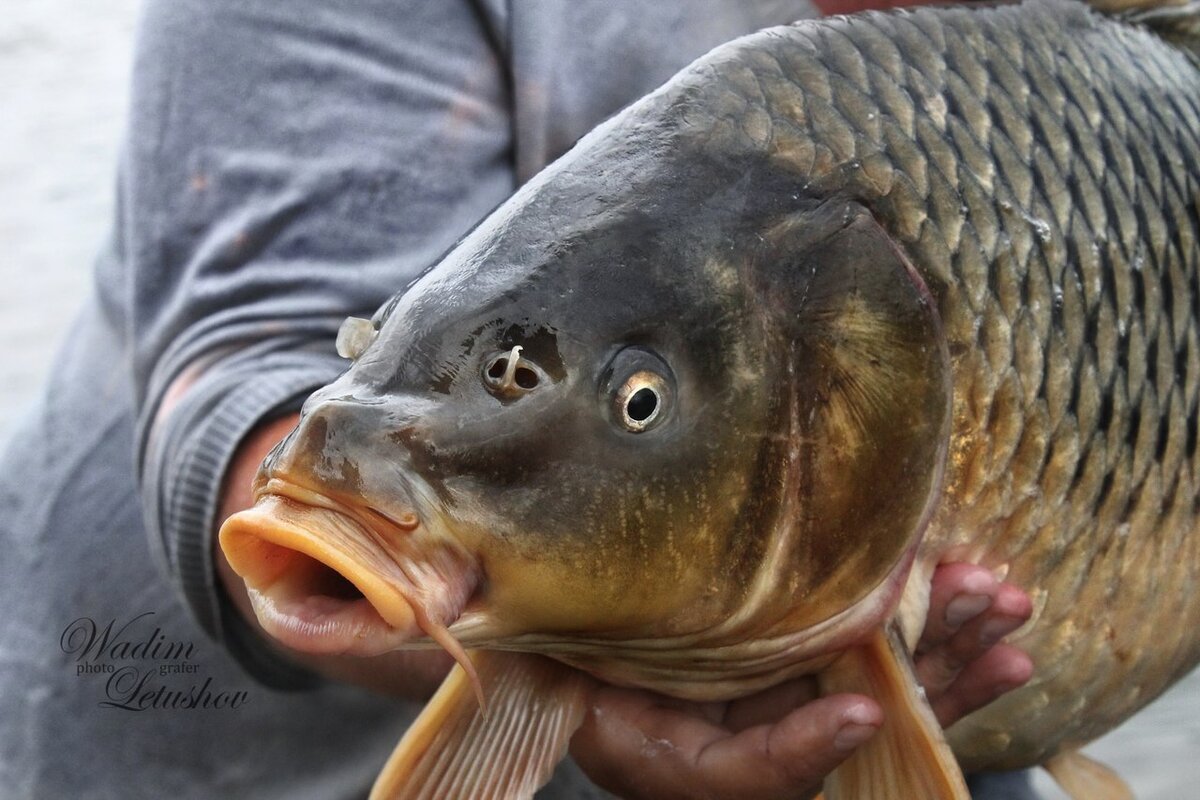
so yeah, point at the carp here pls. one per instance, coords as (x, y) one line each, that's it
(700, 408)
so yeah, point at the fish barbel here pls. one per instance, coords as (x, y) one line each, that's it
(700, 408)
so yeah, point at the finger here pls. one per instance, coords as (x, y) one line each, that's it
(626, 743)
(770, 705)
(1010, 604)
(634, 747)
(1002, 669)
(959, 593)
(937, 669)
(792, 757)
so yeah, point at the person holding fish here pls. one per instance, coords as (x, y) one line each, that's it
(289, 167)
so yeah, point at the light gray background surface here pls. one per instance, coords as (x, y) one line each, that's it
(63, 72)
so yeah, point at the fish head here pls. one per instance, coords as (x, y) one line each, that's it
(636, 403)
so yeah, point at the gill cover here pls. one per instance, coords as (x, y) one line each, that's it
(871, 397)
(866, 397)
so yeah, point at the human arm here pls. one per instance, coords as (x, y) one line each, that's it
(287, 167)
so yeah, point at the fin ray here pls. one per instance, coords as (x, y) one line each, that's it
(909, 756)
(1083, 778)
(454, 750)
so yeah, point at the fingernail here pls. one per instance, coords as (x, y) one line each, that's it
(965, 607)
(996, 629)
(851, 736)
(858, 725)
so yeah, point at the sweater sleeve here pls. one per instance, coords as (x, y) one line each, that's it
(287, 165)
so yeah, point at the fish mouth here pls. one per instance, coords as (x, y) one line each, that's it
(327, 577)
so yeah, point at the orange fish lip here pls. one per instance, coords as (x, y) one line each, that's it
(367, 515)
(327, 577)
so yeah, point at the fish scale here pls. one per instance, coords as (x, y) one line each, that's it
(1040, 167)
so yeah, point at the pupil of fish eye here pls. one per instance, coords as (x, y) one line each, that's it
(525, 378)
(642, 404)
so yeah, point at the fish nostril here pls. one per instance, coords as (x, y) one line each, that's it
(526, 378)
(508, 375)
(497, 368)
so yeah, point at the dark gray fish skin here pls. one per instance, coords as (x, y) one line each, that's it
(1036, 164)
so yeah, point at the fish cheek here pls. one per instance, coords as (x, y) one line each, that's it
(601, 548)
(649, 534)
(870, 393)
(582, 527)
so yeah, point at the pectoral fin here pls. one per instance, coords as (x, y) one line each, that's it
(454, 749)
(909, 756)
(1085, 779)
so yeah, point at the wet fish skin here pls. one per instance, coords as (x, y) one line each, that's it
(1037, 165)
(1040, 165)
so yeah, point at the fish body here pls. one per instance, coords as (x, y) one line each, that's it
(705, 402)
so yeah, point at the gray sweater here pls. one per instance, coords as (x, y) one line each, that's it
(287, 165)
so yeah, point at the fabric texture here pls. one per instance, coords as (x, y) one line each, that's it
(286, 165)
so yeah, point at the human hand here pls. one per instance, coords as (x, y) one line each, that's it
(782, 742)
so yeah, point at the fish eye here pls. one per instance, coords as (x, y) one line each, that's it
(641, 400)
(640, 390)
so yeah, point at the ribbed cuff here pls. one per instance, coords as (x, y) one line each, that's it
(212, 421)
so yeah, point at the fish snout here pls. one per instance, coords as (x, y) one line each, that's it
(334, 437)
(335, 556)
(354, 450)
(326, 578)
(313, 579)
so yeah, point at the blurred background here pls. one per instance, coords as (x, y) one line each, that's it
(64, 73)
(64, 70)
